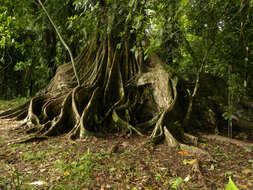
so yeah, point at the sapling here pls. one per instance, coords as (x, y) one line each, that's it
(232, 99)
(230, 105)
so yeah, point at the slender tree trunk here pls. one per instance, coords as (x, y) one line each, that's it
(192, 96)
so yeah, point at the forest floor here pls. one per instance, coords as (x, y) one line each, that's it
(119, 162)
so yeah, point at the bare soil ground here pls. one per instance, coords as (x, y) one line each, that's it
(119, 162)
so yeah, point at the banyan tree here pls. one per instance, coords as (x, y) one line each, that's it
(123, 87)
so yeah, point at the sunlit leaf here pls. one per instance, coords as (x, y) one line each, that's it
(186, 162)
(231, 185)
(211, 168)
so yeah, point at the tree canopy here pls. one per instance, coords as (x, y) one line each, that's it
(178, 31)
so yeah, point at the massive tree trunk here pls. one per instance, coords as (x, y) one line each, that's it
(118, 93)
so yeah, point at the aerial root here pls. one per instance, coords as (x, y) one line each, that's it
(171, 141)
(59, 121)
(51, 108)
(161, 132)
(158, 132)
(21, 115)
(11, 113)
(123, 125)
(88, 120)
(28, 138)
(148, 124)
(104, 101)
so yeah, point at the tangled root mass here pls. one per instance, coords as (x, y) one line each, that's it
(117, 93)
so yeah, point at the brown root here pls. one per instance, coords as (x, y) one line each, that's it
(115, 95)
(227, 140)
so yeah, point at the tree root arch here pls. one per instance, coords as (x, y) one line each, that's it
(117, 93)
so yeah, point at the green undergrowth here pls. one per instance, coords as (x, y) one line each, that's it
(56, 168)
(57, 164)
(60, 166)
(78, 172)
(66, 170)
(7, 104)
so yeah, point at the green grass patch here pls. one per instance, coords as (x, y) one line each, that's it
(7, 104)
(34, 156)
(79, 171)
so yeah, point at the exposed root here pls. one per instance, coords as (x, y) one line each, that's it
(227, 140)
(171, 141)
(190, 139)
(194, 150)
(196, 171)
(115, 95)
(123, 125)
(12, 113)
(88, 120)
(146, 125)
(158, 133)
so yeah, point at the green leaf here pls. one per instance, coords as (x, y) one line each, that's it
(233, 117)
(131, 3)
(188, 91)
(75, 2)
(184, 3)
(186, 162)
(176, 182)
(231, 185)
(118, 46)
(211, 168)
(112, 169)
(228, 173)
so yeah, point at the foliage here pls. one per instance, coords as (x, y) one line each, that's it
(81, 168)
(231, 185)
(235, 92)
(4, 104)
(16, 181)
(192, 38)
(176, 183)
(179, 31)
(29, 49)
